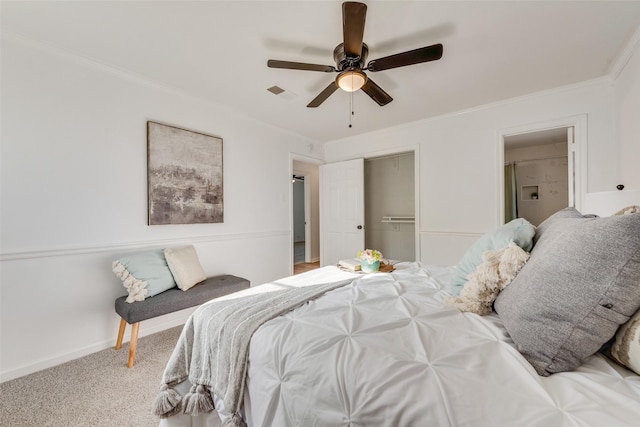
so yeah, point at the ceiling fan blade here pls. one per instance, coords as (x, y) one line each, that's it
(323, 95)
(272, 63)
(416, 56)
(353, 17)
(376, 93)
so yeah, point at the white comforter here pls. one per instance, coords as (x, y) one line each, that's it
(385, 351)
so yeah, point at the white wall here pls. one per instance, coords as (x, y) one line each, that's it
(627, 103)
(74, 199)
(460, 162)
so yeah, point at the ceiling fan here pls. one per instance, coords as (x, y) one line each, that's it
(351, 55)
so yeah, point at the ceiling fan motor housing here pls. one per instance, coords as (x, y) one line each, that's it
(344, 62)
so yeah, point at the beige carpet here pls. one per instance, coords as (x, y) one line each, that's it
(96, 390)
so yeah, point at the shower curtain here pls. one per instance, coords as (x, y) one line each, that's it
(510, 193)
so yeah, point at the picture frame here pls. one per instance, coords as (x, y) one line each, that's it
(184, 176)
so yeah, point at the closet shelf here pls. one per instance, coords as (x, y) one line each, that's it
(408, 219)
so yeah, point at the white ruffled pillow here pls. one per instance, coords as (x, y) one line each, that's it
(519, 231)
(626, 347)
(498, 268)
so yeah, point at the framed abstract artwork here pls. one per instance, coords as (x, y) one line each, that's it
(184, 176)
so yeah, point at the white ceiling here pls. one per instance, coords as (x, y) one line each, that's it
(218, 50)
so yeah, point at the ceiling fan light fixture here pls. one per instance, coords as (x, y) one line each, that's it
(351, 80)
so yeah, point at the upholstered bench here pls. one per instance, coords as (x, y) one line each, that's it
(169, 301)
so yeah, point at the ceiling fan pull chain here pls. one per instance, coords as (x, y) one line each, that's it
(350, 107)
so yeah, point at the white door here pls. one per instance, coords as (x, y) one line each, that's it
(341, 210)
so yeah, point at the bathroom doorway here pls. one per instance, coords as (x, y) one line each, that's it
(538, 173)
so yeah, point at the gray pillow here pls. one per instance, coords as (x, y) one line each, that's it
(564, 213)
(580, 284)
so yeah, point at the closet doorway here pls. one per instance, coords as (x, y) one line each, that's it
(389, 205)
(371, 203)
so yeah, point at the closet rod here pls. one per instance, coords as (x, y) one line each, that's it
(390, 156)
(533, 160)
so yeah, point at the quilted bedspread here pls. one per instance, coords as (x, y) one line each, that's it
(386, 351)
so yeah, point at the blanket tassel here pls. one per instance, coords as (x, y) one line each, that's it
(167, 403)
(234, 421)
(197, 401)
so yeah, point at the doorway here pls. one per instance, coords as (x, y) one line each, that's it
(305, 216)
(351, 223)
(389, 205)
(299, 219)
(539, 176)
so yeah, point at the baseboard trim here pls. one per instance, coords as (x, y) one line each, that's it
(452, 233)
(168, 321)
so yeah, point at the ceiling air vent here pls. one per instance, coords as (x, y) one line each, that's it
(276, 90)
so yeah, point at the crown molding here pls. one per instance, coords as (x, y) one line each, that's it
(623, 59)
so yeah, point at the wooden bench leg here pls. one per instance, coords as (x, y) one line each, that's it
(133, 344)
(123, 324)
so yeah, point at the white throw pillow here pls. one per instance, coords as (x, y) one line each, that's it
(498, 268)
(185, 266)
(626, 347)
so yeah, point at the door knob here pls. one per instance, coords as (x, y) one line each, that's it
(359, 227)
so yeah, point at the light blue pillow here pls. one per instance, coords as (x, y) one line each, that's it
(144, 274)
(520, 231)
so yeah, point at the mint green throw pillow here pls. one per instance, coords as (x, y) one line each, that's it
(520, 231)
(144, 274)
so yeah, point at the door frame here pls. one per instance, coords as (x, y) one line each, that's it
(307, 206)
(578, 154)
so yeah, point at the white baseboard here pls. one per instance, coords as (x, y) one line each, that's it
(165, 322)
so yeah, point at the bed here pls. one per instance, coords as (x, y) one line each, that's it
(389, 349)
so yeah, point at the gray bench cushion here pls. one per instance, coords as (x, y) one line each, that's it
(176, 299)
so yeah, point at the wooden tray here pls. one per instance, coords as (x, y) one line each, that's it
(384, 268)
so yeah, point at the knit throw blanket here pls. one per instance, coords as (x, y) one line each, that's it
(212, 351)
